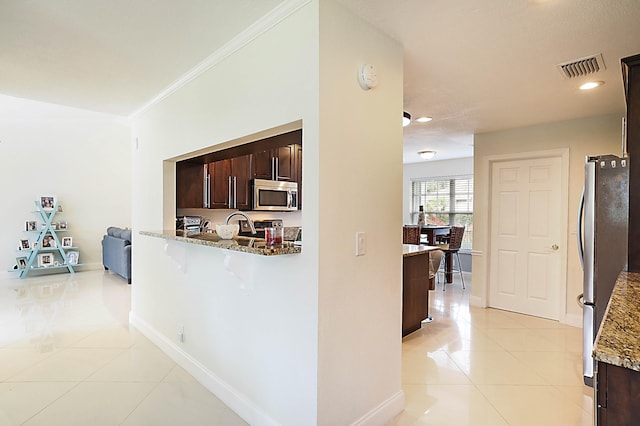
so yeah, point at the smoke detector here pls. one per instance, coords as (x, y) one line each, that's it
(582, 67)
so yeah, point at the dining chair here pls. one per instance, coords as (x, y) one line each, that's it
(453, 248)
(410, 234)
(435, 260)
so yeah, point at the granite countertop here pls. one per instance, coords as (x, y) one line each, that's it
(618, 340)
(243, 244)
(415, 250)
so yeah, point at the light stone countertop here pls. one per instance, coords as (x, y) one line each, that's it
(415, 250)
(618, 340)
(243, 244)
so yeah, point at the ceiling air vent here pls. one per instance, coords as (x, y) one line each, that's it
(582, 67)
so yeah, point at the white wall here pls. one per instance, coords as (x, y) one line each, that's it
(305, 339)
(360, 160)
(82, 157)
(588, 136)
(429, 169)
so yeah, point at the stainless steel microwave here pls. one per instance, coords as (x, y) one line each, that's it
(275, 195)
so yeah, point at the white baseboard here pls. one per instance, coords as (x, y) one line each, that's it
(237, 402)
(383, 413)
(477, 302)
(574, 320)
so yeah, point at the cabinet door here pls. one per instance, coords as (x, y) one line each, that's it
(285, 163)
(241, 171)
(219, 175)
(189, 185)
(262, 165)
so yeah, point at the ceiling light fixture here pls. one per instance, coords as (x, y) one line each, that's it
(427, 155)
(424, 119)
(406, 119)
(591, 85)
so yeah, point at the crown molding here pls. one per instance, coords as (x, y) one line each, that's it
(252, 32)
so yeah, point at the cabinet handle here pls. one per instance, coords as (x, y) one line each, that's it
(273, 168)
(205, 192)
(229, 194)
(277, 168)
(235, 193)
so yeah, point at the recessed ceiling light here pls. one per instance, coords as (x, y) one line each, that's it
(406, 119)
(427, 155)
(424, 119)
(591, 85)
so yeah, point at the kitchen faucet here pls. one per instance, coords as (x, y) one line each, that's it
(249, 221)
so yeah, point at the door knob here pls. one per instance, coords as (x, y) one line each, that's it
(555, 247)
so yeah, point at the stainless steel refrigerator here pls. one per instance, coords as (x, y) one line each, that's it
(602, 242)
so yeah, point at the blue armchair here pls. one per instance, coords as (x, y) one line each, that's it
(116, 251)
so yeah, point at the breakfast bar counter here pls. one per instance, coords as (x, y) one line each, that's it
(243, 244)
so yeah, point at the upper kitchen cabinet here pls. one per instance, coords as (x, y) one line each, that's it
(276, 163)
(230, 183)
(190, 183)
(275, 158)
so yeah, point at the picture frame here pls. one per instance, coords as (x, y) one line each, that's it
(22, 262)
(47, 202)
(25, 244)
(45, 260)
(49, 242)
(30, 225)
(34, 245)
(72, 257)
(67, 242)
(62, 224)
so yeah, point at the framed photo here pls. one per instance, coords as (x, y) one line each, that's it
(63, 224)
(22, 262)
(72, 257)
(48, 242)
(25, 244)
(30, 225)
(45, 259)
(47, 202)
(67, 242)
(34, 245)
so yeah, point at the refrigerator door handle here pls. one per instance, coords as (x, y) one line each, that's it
(579, 231)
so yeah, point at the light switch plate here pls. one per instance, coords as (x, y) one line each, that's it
(361, 244)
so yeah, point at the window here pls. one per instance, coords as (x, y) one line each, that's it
(446, 201)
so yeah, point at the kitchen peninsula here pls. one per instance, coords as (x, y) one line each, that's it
(243, 244)
(415, 286)
(617, 352)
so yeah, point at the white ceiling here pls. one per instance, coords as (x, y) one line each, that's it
(474, 66)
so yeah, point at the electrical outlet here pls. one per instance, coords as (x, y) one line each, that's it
(361, 244)
(180, 333)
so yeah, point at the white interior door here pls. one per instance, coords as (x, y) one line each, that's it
(526, 225)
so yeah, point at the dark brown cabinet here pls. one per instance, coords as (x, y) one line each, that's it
(223, 179)
(631, 76)
(617, 395)
(415, 292)
(276, 163)
(190, 182)
(230, 183)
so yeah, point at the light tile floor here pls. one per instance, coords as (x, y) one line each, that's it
(68, 357)
(473, 366)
